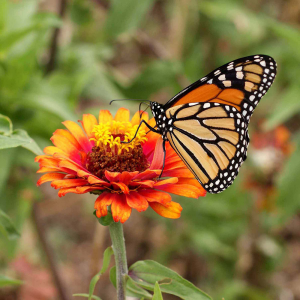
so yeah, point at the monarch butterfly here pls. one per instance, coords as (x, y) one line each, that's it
(207, 122)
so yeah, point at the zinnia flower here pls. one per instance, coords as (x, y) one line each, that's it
(93, 159)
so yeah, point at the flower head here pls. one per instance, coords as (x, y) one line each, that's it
(93, 159)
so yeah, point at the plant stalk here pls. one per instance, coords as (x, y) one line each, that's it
(118, 244)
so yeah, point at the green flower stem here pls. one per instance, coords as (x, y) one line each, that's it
(118, 245)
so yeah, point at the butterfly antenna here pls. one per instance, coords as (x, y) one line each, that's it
(148, 105)
(128, 100)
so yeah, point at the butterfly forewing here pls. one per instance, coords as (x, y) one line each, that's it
(212, 140)
(240, 83)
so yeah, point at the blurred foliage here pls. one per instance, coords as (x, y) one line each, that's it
(151, 50)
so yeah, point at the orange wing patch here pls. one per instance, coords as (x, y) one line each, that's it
(233, 97)
(212, 93)
(203, 93)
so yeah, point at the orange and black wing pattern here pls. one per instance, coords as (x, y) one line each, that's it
(240, 84)
(211, 139)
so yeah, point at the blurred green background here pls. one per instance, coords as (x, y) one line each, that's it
(60, 59)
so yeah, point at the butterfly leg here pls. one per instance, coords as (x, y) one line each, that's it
(164, 149)
(143, 121)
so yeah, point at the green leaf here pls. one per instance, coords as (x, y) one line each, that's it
(106, 260)
(287, 107)
(288, 186)
(29, 143)
(5, 125)
(6, 159)
(113, 276)
(81, 12)
(7, 225)
(86, 296)
(20, 137)
(156, 76)
(3, 13)
(133, 290)
(48, 102)
(125, 16)
(287, 32)
(6, 281)
(157, 292)
(9, 39)
(147, 273)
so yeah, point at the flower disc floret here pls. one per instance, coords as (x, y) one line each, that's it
(112, 133)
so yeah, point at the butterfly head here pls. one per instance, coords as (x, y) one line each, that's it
(159, 115)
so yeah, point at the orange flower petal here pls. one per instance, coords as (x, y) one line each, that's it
(158, 157)
(172, 180)
(126, 177)
(77, 190)
(50, 150)
(183, 172)
(50, 169)
(144, 183)
(105, 116)
(68, 183)
(50, 177)
(88, 123)
(63, 192)
(83, 173)
(95, 180)
(155, 196)
(66, 146)
(79, 135)
(104, 200)
(70, 165)
(122, 115)
(120, 209)
(171, 210)
(148, 174)
(123, 187)
(193, 182)
(69, 136)
(137, 118)
(175, 165)
(47, 161)
(172, 159)
(185, 190)
(137, 201)
(112, 176)
(86, 189)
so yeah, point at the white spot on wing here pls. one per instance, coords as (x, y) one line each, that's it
(263, 63)
(239, 75)
(222, 77)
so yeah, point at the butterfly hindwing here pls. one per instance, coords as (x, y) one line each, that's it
(211, 139)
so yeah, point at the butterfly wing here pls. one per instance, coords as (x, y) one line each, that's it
(211, 139)
(240, 84)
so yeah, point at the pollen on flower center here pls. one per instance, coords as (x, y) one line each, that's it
(112, 155)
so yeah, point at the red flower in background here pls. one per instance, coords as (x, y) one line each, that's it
(270, 150)
(93, 159)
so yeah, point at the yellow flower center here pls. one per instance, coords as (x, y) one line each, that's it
(112, 133)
